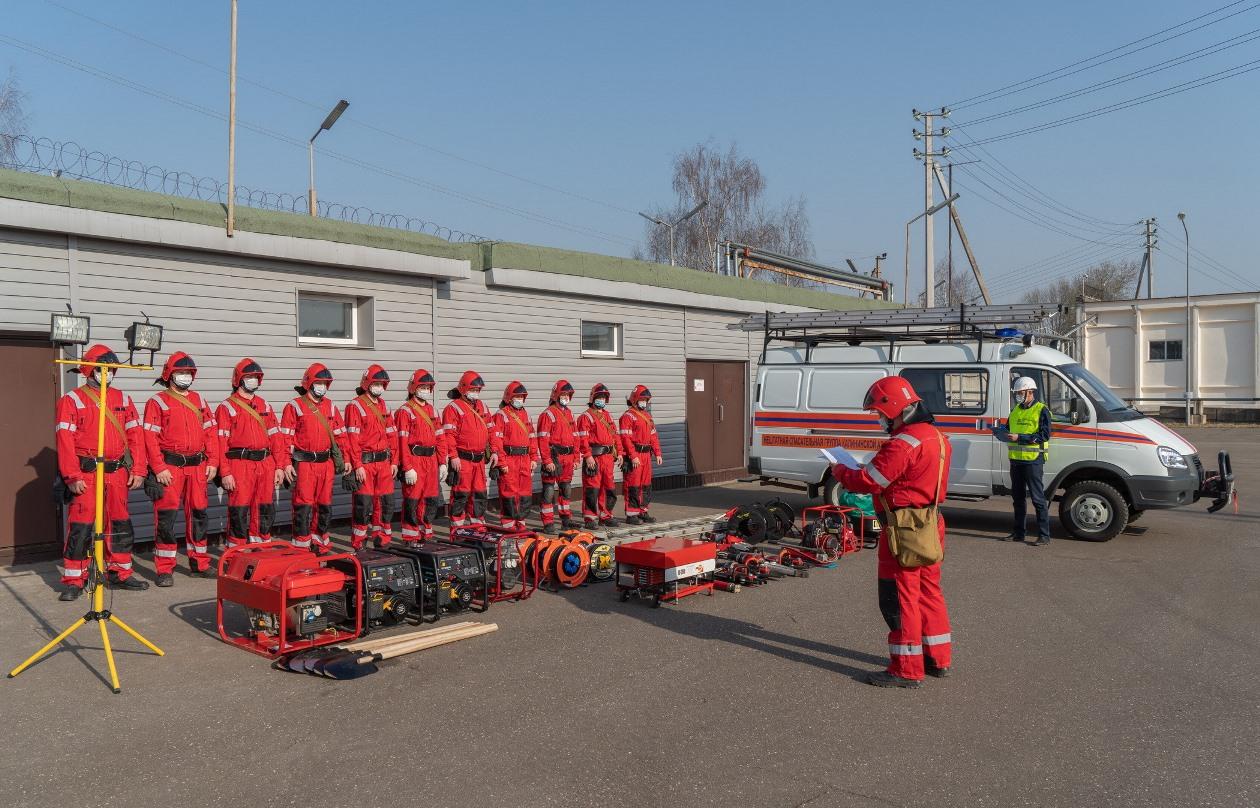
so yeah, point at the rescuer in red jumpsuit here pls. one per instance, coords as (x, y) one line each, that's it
(906, 473)
(467, 423)
(600, 445)
(78, 418)
(422, 456)
(373, 441)
(641, 446)
(514, 441)
(313, 429)
(558, 451)
(182, 448)
(250, 442)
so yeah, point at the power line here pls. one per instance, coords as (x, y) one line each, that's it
(1089, 228)
(1210, 50)
(1052, 75)
(385, 171)
(1093, 256)
(1067, 210)
(1033, 221)
(351, 118)
(1071, 270)
(1176, 89)
(1081, 252)
(1213, 267)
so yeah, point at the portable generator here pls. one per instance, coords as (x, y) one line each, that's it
(293, 599)
(391, 588)
(453, 577)
(502, 548)
(665, 568)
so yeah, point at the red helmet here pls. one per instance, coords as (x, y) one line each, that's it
(562, 388)
(374, 374)
(890, 396)
(245, 367)
(97, 353)
(639, 393)
(514, 390)
(317, 372)
(419, 379)
(599, 391)
(471, 380)
(176, 361)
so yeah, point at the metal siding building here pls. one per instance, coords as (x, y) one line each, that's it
(1138, 347)
(509, 311)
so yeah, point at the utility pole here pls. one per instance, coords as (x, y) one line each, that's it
(949, 249)
(1149, 260)
(929, 165)
(231, 189)
(956, 220)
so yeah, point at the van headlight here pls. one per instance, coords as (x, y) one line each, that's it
(1171, 458)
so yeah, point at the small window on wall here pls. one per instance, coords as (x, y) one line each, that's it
(951, 392)
(1165, 350)
(325, 319)
(601, 339)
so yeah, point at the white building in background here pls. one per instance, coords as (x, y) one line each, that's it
(1140, 349)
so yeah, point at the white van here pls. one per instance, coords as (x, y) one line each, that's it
(1107, 462)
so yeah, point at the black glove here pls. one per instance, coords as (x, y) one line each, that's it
(153, 489)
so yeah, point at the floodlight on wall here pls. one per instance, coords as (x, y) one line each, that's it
(70, 329)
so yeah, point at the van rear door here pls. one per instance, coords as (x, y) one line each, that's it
(959, 398)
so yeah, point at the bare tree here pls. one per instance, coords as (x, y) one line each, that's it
(962, 288)
(12, 117)
(734, 187)
(1108, 280)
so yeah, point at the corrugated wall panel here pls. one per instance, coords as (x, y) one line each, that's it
(34, 278)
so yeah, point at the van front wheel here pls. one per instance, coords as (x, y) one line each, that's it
(1093, 511)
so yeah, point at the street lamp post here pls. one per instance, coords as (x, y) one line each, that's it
(1186, 353)
(310, 151)
(671, 226)
(905, 289)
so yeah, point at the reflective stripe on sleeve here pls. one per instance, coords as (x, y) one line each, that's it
(67, 426)
(874, 474)
(909, 439)
(131, 425)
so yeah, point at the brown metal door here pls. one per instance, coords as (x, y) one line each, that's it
(29, 528)
(701, 413)
(730, 394)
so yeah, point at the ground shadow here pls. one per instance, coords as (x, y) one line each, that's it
(200, 614)
(47, 630)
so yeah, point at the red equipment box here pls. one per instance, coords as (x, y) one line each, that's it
(293, 598)
(665, 568)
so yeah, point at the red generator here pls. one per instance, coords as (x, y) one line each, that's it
(665, 568)
(293, 599)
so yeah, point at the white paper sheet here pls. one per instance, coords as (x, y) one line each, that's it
(841, 455)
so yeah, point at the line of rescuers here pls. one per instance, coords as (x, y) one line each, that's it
(180, 444)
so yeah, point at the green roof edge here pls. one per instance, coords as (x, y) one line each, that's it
(85, 195)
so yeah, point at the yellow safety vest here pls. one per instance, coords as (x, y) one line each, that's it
(1024, 421)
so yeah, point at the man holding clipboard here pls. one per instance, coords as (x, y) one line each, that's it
(1027, 435)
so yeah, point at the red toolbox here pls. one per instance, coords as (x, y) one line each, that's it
(665, 568)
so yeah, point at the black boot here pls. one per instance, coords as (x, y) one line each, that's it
(931, 669)
(886, 679)
(70, 593)
(1041, 542)
(590, 524)
(165, 579)
(208, 572)
(632, 520)
(609, 522)
(568, 523)
(1013, 537)
(130, 583)
(646, 518)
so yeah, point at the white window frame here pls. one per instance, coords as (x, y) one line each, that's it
(356, 304)
(615, 353)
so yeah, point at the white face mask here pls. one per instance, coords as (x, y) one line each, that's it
(473, 395)
(885, 424)
(424, 394)
(564, 401)
(517, 403)
(251, 383)
(600, 403)
(643, 405)
(377, 390)
(182, 380)
(96, 376)
(319, 390)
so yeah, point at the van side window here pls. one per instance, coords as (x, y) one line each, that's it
(1051, 389)
(841, 388)
(781, 389)
(951, 392)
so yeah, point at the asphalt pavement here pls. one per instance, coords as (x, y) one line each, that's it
(1117, 673)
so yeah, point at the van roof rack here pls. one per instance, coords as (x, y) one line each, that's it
(893, 325)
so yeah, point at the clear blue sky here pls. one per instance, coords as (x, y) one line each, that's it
(595, 98)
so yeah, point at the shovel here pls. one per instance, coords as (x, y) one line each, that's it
(299, 662)
(368, 647)
(354, 664)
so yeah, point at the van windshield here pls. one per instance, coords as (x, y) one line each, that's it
(1105, 400)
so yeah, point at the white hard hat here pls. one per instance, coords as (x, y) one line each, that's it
(1023, 383)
